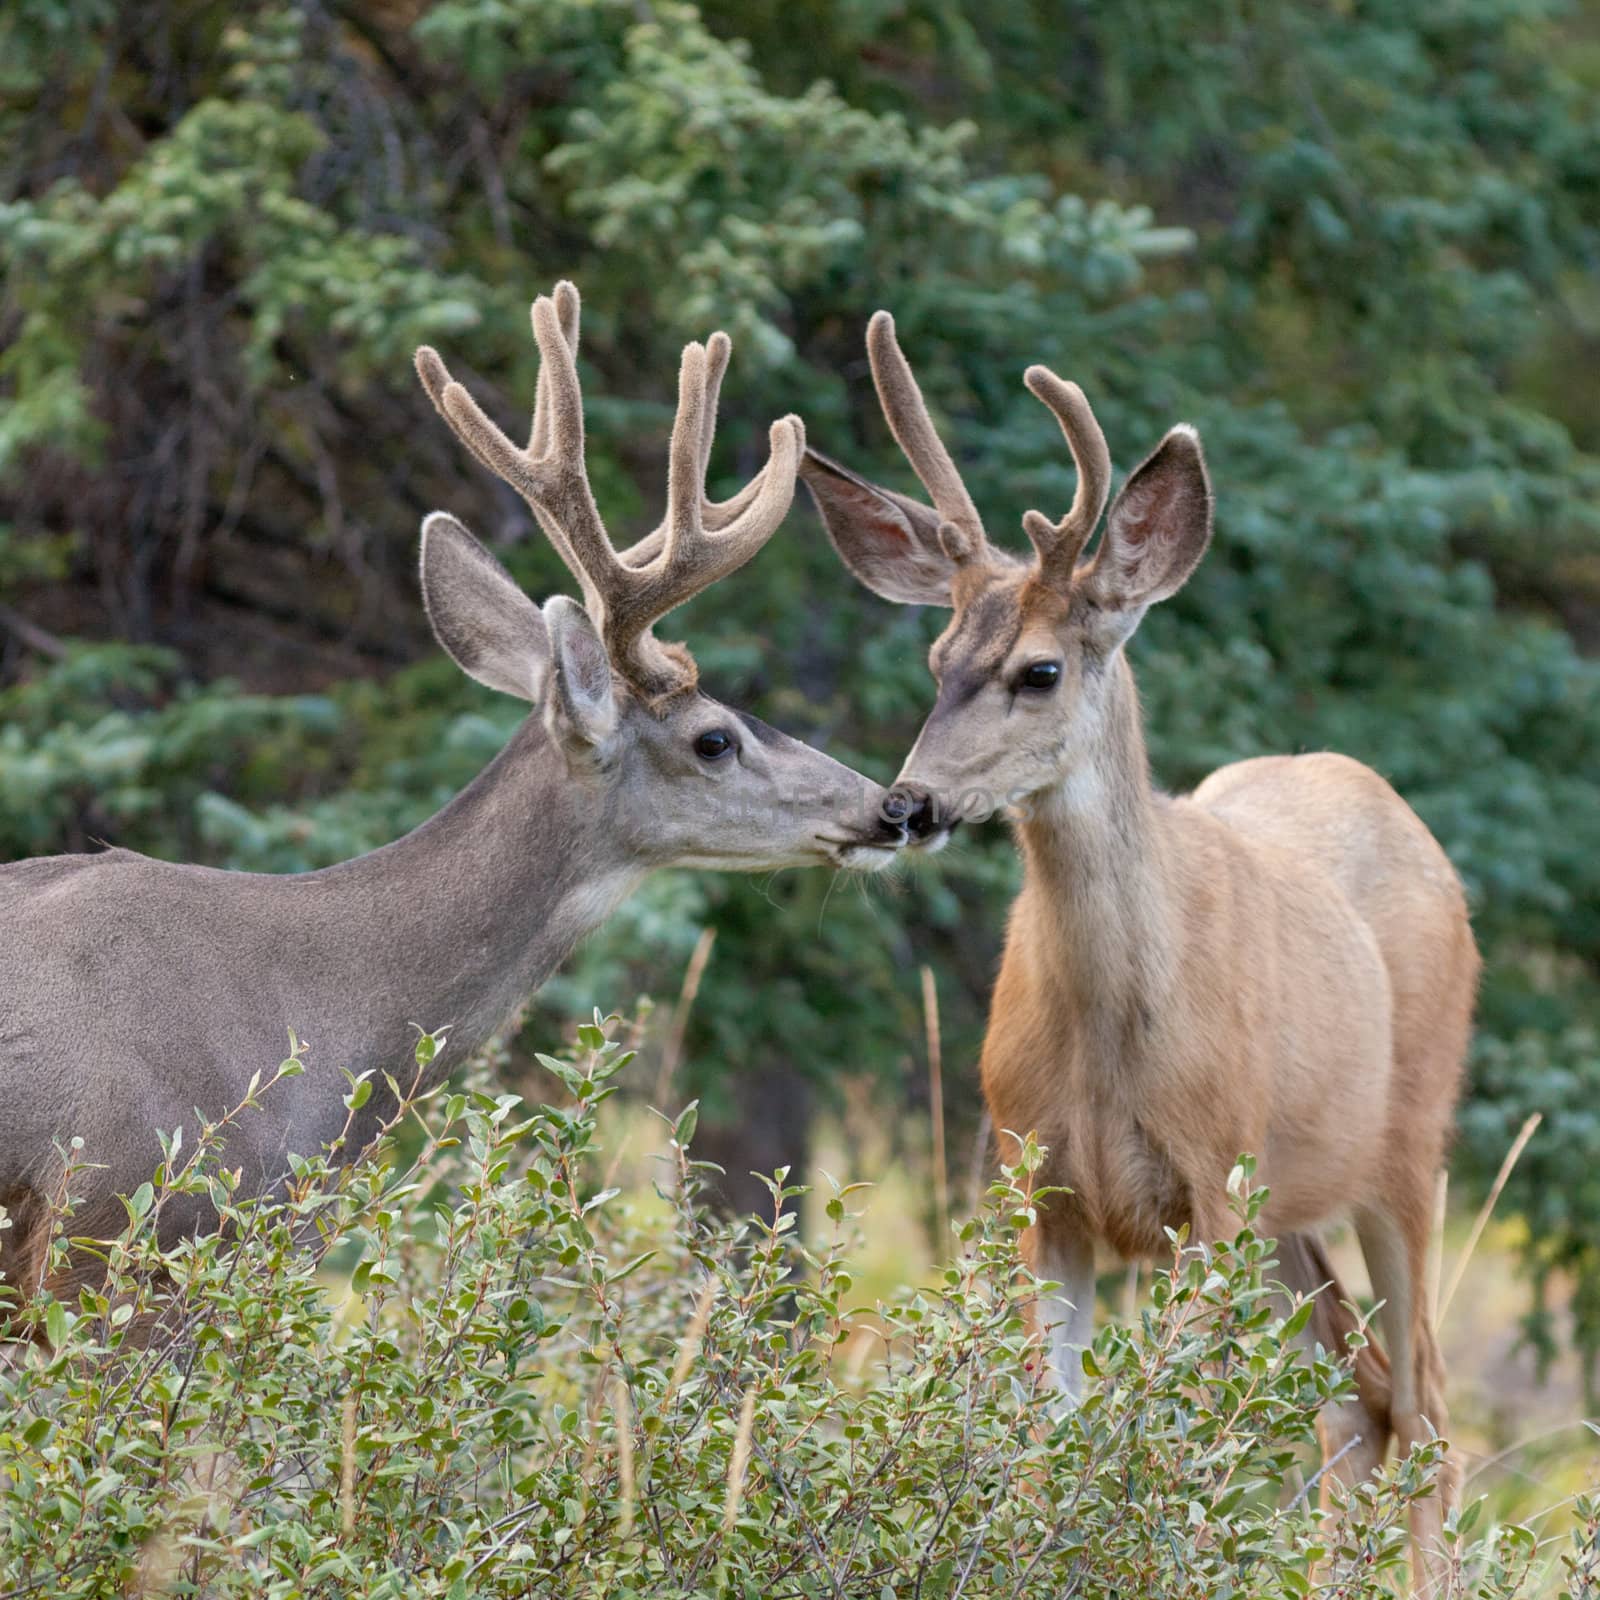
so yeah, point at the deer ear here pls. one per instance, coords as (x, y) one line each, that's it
(492, 630)
(583, 706)
(889, 541)
(1158, 527)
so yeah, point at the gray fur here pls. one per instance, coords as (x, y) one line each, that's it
(137, 994)
(491, 629)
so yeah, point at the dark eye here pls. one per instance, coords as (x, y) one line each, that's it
(713, 745)
(1041, 675)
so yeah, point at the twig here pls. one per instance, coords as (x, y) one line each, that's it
(772, 1469)
(32, 635)
(1481, 1221)
(347, 1468)
(625, 1478)
(1326, 1467)
(1592, 1423)
(689, 1347)
(1441, 1197)
(941, 1178)
(739, 1462)
(672, 1050)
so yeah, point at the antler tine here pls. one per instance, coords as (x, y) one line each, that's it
(686, 459)
(907, 414)
(561, 486)
(719, 514)
(690, 550)
(715, 515)
(704, 538)
(568, 309)
(719, 347)
(756, 511)
(550, 478)
(698, 541)
(1059, 544)
(646, 552)
(435, 378)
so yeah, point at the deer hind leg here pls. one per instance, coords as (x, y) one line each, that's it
(1354, 1434)
(24, 1251)
(1396, 1247)
(26, 1269)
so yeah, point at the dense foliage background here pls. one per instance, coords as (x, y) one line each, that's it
(1356, 242)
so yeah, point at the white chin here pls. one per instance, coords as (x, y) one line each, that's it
(866, 857)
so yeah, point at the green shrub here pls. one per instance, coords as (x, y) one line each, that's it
(1355, 244)
(480, 1371)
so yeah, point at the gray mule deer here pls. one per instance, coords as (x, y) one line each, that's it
(134, 991)
(1279, 963)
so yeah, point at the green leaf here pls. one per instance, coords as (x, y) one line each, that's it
(688, 1120)
(57, 1324)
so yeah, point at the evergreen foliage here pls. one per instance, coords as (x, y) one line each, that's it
(1356, 244)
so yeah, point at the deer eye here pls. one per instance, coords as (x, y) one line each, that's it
(713, 745)
(1041, 675)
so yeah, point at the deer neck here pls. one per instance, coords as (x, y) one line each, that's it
(454, 925)
(1096, 916)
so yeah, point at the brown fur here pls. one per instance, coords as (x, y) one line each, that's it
(1280, 963)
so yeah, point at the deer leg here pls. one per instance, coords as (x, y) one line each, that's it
(1060, 1249)
(1396, 1248)
(24, 1250)
(1355, 1434)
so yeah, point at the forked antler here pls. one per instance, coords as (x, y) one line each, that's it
(1058, 544)
(698, 541)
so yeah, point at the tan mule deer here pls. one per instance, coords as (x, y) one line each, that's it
(133, 991)
(1279, 963)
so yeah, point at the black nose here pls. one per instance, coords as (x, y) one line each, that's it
(893, 810)
(922, 817)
